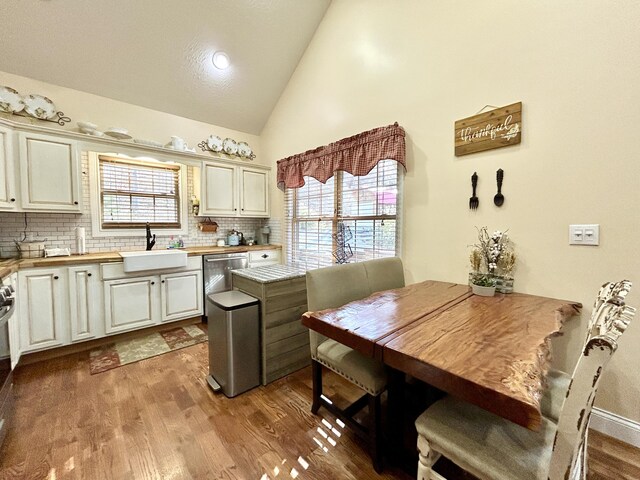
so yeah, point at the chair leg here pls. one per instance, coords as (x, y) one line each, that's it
(375, 433)
(426, 458)
(316, 374)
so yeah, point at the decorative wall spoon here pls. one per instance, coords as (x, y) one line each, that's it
(499, 198)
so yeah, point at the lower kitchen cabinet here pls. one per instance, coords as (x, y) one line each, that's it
(65, 305)
(130, 303)
(42, 308)
(181, 295)
(85, 304)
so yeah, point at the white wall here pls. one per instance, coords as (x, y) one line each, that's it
(141, 122)
(574, 65)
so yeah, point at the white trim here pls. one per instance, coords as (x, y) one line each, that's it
(94, 193)
(615, 426)
(90, 142)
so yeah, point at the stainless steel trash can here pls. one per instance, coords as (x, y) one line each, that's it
(234, 342)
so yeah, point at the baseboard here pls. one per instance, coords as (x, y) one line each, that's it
(616, 426)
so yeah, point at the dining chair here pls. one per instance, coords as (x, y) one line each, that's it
(557, 383)
(491, 447)
(334, 287)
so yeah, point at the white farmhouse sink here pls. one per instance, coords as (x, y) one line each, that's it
(153, 260)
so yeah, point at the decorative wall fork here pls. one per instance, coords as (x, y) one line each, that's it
(473, 201)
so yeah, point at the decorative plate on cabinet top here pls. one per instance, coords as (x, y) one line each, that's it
(244, 150)
(119, 133)
(214, 143)
(39, 107)
(10, 100)
(230, 146)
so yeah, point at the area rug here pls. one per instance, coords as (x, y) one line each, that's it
(116, 354)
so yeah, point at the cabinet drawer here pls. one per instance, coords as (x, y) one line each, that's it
(111, 271)
(264, 256)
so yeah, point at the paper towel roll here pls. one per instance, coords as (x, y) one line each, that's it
(81, 241)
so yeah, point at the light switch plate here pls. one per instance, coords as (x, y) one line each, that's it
(584, 234)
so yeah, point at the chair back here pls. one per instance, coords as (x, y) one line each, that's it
(609, 319)
(332, 287)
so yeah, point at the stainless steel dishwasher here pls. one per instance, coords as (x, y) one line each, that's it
(217, 272)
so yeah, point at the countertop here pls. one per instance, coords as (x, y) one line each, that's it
(11, 265)
(270, 273)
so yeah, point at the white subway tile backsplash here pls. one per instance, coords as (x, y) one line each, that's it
(59, 228)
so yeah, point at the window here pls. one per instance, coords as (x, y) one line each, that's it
(363, 209)
(133, 193)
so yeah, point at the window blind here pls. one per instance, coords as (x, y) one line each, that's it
(367, 205)
(133, 193)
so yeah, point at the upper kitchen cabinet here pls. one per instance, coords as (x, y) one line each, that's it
(7, 175)
(254, 192)
(49, 173)
(229, 190)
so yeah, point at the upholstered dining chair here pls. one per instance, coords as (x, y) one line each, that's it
(333, 287)
(491, 447)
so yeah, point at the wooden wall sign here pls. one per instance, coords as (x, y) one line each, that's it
(497, 128)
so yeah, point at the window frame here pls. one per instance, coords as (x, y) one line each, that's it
(98, 230)
(290, 221)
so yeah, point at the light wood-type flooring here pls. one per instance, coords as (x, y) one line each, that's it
(158, 419)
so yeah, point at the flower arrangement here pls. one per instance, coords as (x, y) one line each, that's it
(492, 257)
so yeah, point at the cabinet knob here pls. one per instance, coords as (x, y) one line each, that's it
(162, 281)
(89, 274)
(56, 277)
(13, 199)
(75, 203)
(153, 283)
(265, 256)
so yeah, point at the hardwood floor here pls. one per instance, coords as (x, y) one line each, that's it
(158, 419)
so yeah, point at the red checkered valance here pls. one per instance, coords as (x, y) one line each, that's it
(357, 155)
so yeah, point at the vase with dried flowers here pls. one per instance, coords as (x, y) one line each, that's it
(493, 259)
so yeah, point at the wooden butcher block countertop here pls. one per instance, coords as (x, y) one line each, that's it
(9, 266)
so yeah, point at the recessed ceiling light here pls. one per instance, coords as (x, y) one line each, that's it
(221, 60)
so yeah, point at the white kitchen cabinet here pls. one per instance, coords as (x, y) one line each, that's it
(43, 308)
(14, 326)
(254, 192)
(261, 258)
(49, 173)
(85, 305)
(131, 303)
(219, 189)
(181, 295)
(234, 190)
(7, 173)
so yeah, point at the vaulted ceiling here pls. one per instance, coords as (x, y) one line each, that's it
(157, 53)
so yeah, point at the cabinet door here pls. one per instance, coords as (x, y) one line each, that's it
(219, 189)
(41, 295)
(7, 175)
(130, 303)
(254, 192)
(181, 295)
(49, 173)
(14, 327)
(84, 302)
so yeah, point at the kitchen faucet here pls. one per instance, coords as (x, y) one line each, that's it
(151, 239)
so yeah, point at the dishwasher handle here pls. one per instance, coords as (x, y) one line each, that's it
(211, 260)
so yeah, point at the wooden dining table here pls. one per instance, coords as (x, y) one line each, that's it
(493, 352)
